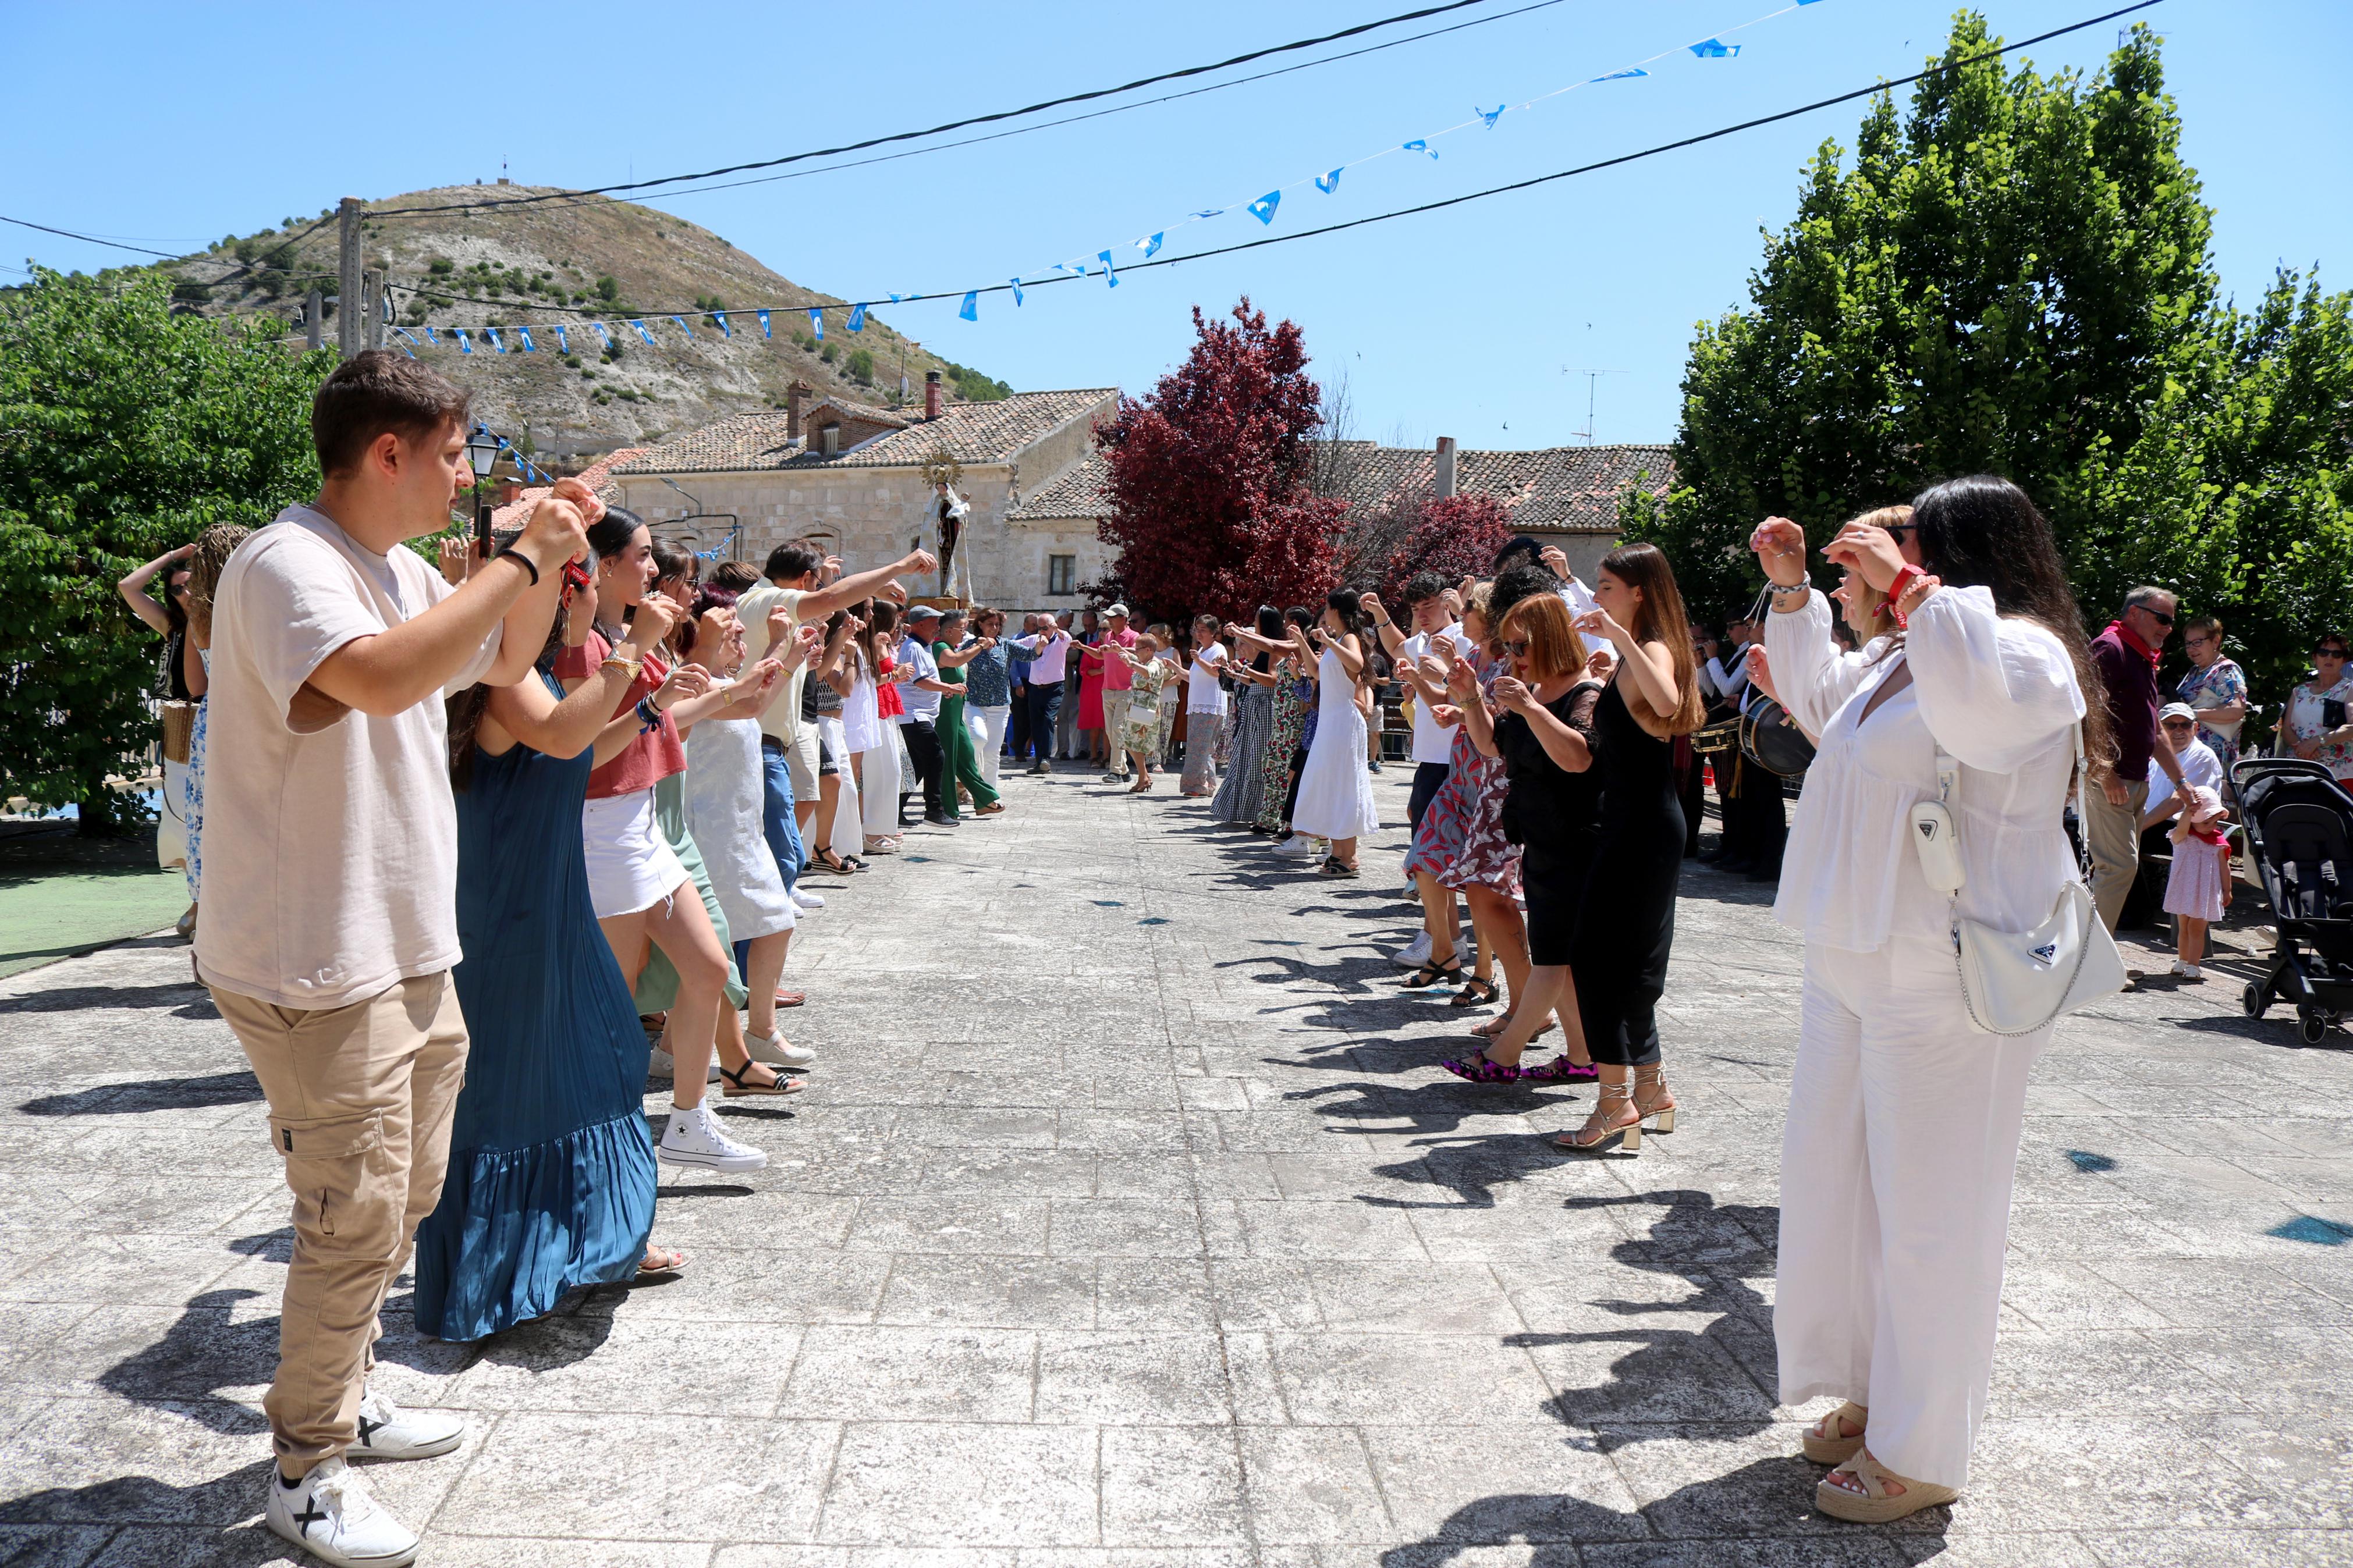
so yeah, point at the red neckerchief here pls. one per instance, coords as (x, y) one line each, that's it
(2125, 636)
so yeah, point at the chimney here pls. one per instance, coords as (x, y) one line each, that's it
(1444, 467)
(509, 490)
(931, 395)
(795, 407)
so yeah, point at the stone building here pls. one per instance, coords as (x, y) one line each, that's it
(850, 479)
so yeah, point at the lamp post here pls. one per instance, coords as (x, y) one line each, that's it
(482, 452)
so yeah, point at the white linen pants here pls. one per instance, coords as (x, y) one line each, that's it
(878, 786)
(171, 820)
(1897, 1165)
(987, 727)
(846, 834)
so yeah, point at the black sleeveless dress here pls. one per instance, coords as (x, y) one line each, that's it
(1626, 917)
(1553, 816)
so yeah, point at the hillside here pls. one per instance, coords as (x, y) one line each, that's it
(568, 262)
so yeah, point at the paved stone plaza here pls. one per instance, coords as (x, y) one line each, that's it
(1128, 1221)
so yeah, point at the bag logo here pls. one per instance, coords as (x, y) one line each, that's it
(1927, 830)
(2046, 953)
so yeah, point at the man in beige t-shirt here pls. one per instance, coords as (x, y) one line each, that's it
(330, 920)
(788, 747)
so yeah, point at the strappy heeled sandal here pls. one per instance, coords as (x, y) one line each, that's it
(1482, 1068)
(1875, 1504)
(1655, 1078)
(738, 1088)
(1475, 993)
(1602, 1131)
(1825, 1445)
(1430, 973)
(832, 862)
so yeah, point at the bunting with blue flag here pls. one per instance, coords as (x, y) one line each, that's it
(971, 309)
(764, 324)
(896, 297)
(496, 341)
(563, 344)
(431, 339)
(465, 343)
(817, 322)
(1329, 183)
(524, 333)
(721, 317)
(1716, 49)
(683, 326)
(1618, 75)
(602, 334)
(1488, 115)
(1419, 145)
(857, 323)
(1210, 212)
(642, 331)
(1150, 246)
(1111, 274)
(1263, 208)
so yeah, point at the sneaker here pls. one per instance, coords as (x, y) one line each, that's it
(1415, 955)
(1119, 778)
(693, 1137)
(329, 1514)
(1301, 845)
(2187, 970)
(388, 1432)
(804, 899)
(778, 1053)
(664, 1065)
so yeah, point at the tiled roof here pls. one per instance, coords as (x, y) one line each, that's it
(1571, 489)
(1076, 491)
(597, 476)
(970, 432)
(866, 412)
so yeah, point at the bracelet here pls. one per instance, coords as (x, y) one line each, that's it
(520, 559)
(1896, 589)
(649, 716)
(628, 667)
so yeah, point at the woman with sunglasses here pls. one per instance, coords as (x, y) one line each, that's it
(1904, 1123)
(2317, 724)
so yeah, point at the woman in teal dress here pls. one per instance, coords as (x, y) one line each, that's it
(550, 1183)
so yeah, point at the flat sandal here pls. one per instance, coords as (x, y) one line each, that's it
(737, 1088)
(1825, 1445)
(1875, 1504)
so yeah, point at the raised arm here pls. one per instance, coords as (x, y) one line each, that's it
(133, 589)
(1567, 745)
(1383, 628)
(820, 603)
(566, 727)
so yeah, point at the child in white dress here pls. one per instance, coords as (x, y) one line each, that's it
(2194, 889)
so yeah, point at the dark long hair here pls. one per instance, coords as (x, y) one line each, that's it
(1661, 619)
(611, 534)
(1982, 532)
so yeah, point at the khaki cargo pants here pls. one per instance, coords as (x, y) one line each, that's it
(360, 1104)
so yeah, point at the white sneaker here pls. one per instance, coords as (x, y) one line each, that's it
(1415, 955)
(329, 1514)
(388, 1432)
(664, 1065)
(804, 899)
(1303, 845)
(693, 1137)
(778, 1053)
(2187, 970)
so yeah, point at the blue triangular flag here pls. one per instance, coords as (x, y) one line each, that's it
(764, 325)
(1418, 146)
(641, 330)
(896, 297)
(1489, 115)
(1329, 183)
(971, 310)
(724, 329)
(683, 326)
(465, 343)
(1212, 212)
(602, 334)
(817, 322)
(524, 333)
(1715, 49)
(409, 350)
(1151, 247)
(563, 344)
(1620, 76)
(496, 341)
(1016, 289)
(431, 339)
(857, 323)
(1110, 275)
(1263, 208)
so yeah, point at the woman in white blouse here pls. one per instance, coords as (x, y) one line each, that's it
(1904, 1123)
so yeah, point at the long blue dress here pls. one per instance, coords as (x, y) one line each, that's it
(551, 1182)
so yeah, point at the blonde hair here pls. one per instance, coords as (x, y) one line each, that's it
(214, 545)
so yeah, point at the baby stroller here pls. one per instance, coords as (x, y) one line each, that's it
(2299, 826)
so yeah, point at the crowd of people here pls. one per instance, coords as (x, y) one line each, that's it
(486, 848)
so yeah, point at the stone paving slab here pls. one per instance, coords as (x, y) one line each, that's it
(1129, 1223)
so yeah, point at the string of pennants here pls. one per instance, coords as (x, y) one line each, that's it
(1104, 263)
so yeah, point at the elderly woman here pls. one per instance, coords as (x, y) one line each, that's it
(2318, 726)
(2216, 687)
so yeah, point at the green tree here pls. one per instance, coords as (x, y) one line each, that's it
(124, 430)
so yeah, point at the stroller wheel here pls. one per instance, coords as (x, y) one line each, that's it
(2311, 1026)
(2254, 999)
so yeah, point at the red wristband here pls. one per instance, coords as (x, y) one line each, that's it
(1895, 591)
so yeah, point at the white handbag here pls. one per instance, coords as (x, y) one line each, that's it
(2015, 982)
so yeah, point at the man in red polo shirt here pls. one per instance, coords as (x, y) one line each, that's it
(2126, 655)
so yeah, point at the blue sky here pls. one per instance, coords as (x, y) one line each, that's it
(1469, 323)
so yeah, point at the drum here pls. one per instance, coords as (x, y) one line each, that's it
(1771, 739)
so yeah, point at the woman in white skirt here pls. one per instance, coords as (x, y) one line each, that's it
(1902, 1139)
(837, 835)
(868, 729)
(724, 788)
(1335, 788)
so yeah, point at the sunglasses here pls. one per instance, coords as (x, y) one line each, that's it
(2336, 653)
(2179, 723)
(1898, 529)
(1516, 649)
(2159, 617)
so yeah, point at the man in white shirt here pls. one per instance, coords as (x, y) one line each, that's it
(1433, 745)
(329, 924)
(1048, 649)
(788, 747)
(919, 723)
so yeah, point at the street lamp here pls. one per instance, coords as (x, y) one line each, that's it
(482, 452)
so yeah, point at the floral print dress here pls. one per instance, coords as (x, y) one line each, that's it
(1295, 700)
(1460, 841)
(2219, 685)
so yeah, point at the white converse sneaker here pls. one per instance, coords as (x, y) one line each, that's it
(329, 1514)
(1303, 845)
(2187, 970)
(388, 1432)
(664, 1065)
(1415, 955)
(693, 1137)
(778, 1053)
(804, 899)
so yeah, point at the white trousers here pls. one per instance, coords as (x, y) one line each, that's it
(171, 820)
(877, 788)
(988, 728)
(1896, 1166)
(846, 834)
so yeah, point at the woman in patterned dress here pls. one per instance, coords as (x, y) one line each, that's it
(1295, 701)
(1256, 674)
(2216, 687)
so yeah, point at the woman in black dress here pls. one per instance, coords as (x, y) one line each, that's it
(1544, 736)
(1626, 917)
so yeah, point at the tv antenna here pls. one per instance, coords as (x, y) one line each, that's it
(1592, 381)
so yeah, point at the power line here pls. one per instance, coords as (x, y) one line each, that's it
(89, 238)
(953, 124)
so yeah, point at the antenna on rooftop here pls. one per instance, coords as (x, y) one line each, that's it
(1592, 379)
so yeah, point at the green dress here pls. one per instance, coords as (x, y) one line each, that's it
(959, 762)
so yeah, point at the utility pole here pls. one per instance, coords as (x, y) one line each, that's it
(351, 317)
(314, 319)
(372, 298)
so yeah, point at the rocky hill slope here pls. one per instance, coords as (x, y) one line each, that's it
(572, 261)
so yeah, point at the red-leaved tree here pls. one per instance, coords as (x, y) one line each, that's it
(1387, 543)
(1210, 506)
